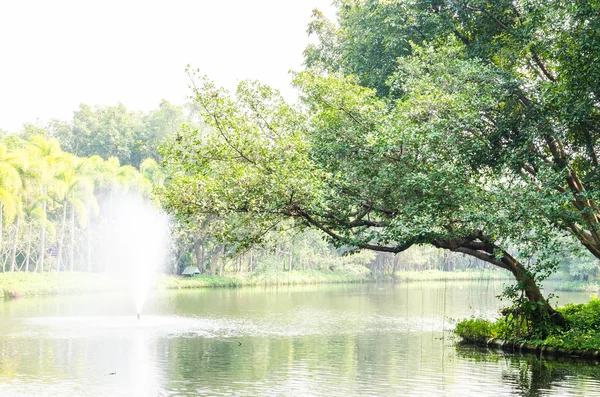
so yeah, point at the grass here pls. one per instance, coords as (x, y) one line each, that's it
(438, 275)
(30, 284)
(297, 277)
(203, 281)
(579, 286)
(19, 284)
(582, 333)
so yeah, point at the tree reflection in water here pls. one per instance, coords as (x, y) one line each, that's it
(531, 375)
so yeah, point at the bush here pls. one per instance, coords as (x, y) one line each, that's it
(475, 330)
(582, 332)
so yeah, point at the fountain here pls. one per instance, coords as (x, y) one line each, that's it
(140, 243)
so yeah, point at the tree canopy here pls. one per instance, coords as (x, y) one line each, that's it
(471, 126)
(115, 131)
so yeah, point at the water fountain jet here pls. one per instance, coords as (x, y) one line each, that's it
(141, 241)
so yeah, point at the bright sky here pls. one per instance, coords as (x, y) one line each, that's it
(57, 54)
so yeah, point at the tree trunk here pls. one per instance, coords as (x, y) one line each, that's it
(530, 287)
(13, 256)
(61, 239)
(89, 239)
(394, 265)
(1, 233)
(109, 257)
(215, 259)
(72, 244)
(487, 251)
(43, 232)
(28, 247)
(251, 260)
(203, 253)
(198, 250)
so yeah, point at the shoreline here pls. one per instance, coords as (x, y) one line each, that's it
(16, 285)
(539, 350)
(579, 286)
(578, 336)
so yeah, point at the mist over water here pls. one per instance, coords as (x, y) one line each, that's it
(138, 243)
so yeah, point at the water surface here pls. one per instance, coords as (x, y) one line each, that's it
(334, 340)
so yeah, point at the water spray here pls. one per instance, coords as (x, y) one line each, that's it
(139, 242)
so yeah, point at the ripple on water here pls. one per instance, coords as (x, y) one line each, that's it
(269, 344)
(302, 322)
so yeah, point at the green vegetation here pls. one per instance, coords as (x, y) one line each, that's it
(55, 206)
(114, 131)
(202, 281)
(475, 330)
(431, 275)
(20, 284)
(579, 286)
(296, 277)
(471, 127)
(53, 283)
(582, 332)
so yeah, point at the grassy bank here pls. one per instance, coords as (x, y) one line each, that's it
(30, 284)
(579, 286)
(298, 277)
(438, 275)
(19, 284)
(14, 285)
(581, 337)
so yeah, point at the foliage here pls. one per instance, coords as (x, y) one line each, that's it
(583, 332)
(367, 174)
(51, 199)
(20, 284)
(465, 125)
(578, 286)
(542, 125)
(306, 277)
(430, 275)
(202, 281)
(114, 131)
(476, 330)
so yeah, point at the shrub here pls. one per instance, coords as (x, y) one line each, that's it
(475, 330)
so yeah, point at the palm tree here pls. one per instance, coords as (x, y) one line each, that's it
(10, 186)
(152, 172)
(82, 200)
(49, 154)
(35, 215)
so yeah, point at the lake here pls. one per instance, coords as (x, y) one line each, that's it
(328, 340)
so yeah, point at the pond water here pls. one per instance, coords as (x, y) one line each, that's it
(332, 340)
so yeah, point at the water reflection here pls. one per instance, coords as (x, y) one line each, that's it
(322, 341)
(533, 375)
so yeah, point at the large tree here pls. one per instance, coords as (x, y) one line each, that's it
(543, 59)
(368, 174)
(469, 125)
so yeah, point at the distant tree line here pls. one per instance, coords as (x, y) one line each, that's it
(114, 131)
(54, 205)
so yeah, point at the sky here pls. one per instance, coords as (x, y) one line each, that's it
(57, 54)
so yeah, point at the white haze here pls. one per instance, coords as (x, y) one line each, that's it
(60, 53)
(138, 242)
